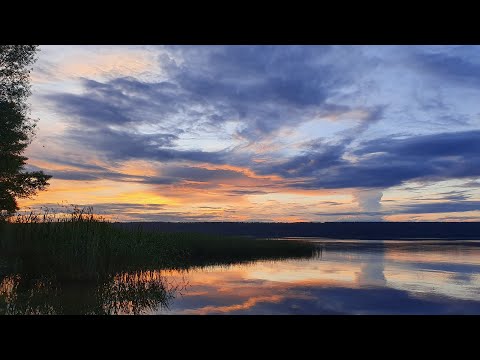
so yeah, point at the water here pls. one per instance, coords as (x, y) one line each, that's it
(346, 277)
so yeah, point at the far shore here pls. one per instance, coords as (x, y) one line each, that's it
(405, 231)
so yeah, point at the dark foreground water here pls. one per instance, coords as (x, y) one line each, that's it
(346, 277)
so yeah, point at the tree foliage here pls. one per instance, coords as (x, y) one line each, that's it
(16, 128)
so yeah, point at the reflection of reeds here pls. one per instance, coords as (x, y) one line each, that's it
(138, 292)
(19, 295)
(126, 293)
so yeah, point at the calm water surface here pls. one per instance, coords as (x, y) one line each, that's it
(346, 277)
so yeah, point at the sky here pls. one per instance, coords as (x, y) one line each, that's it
(259, 133)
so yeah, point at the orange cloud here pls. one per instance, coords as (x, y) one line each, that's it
(114, 62)
(243, 306)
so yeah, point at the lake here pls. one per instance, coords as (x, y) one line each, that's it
(343, 277)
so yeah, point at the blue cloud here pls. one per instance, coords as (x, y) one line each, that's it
(386, 162)
(202, 175)
(262, 74)
(440, 207)
(267, 87)
(124, 145)
(454, 68)
(419, 208)
(319, 156)
(463, 144)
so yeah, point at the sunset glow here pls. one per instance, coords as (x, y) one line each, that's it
(259, 133)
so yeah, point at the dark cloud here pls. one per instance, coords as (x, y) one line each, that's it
(386, 162)
(110, 175)
(454, 195)
(73, 175)
(319, 156)
(440, 207)
(80, 175)
(100, 173)
(418, 208)
(457, 69)
(71, 160)
(90, 110)
(261, 74)
(124, 145)
(266, 87)
(123, 101)
(471, 184)
(444, 144)
(332, 203)
(201, 174)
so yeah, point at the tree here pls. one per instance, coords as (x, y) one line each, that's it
(17, 129)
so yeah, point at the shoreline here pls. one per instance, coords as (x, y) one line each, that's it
(413, 231)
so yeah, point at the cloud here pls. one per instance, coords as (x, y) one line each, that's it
(224, 181)
(125, 145)
(201, 174)
(472, 184)
(65, 62)
(386, 162)
(241, 192)
(442, 144)
(295, 118)
(73, 175)
(440, 207)
(419, 208)
(370, 202)
(457, 69)
(454, 195)
(261, 73)
(266, 87)
(379, 163)
(320, 155)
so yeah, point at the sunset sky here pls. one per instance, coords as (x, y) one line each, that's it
(260, 133)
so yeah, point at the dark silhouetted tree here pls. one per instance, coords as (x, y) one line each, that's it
(16, 128)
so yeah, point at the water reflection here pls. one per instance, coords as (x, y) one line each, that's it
(125, 293)
(348, 277)
(372, 269)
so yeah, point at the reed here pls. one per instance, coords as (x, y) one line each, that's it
(82, 245)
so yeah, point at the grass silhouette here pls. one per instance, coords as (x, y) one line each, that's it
(82, 245)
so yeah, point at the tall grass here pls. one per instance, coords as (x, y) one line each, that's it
(81, 245)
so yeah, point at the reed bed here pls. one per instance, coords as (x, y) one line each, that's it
(82, 245)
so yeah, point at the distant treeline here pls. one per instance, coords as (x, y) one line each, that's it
(335, 230)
